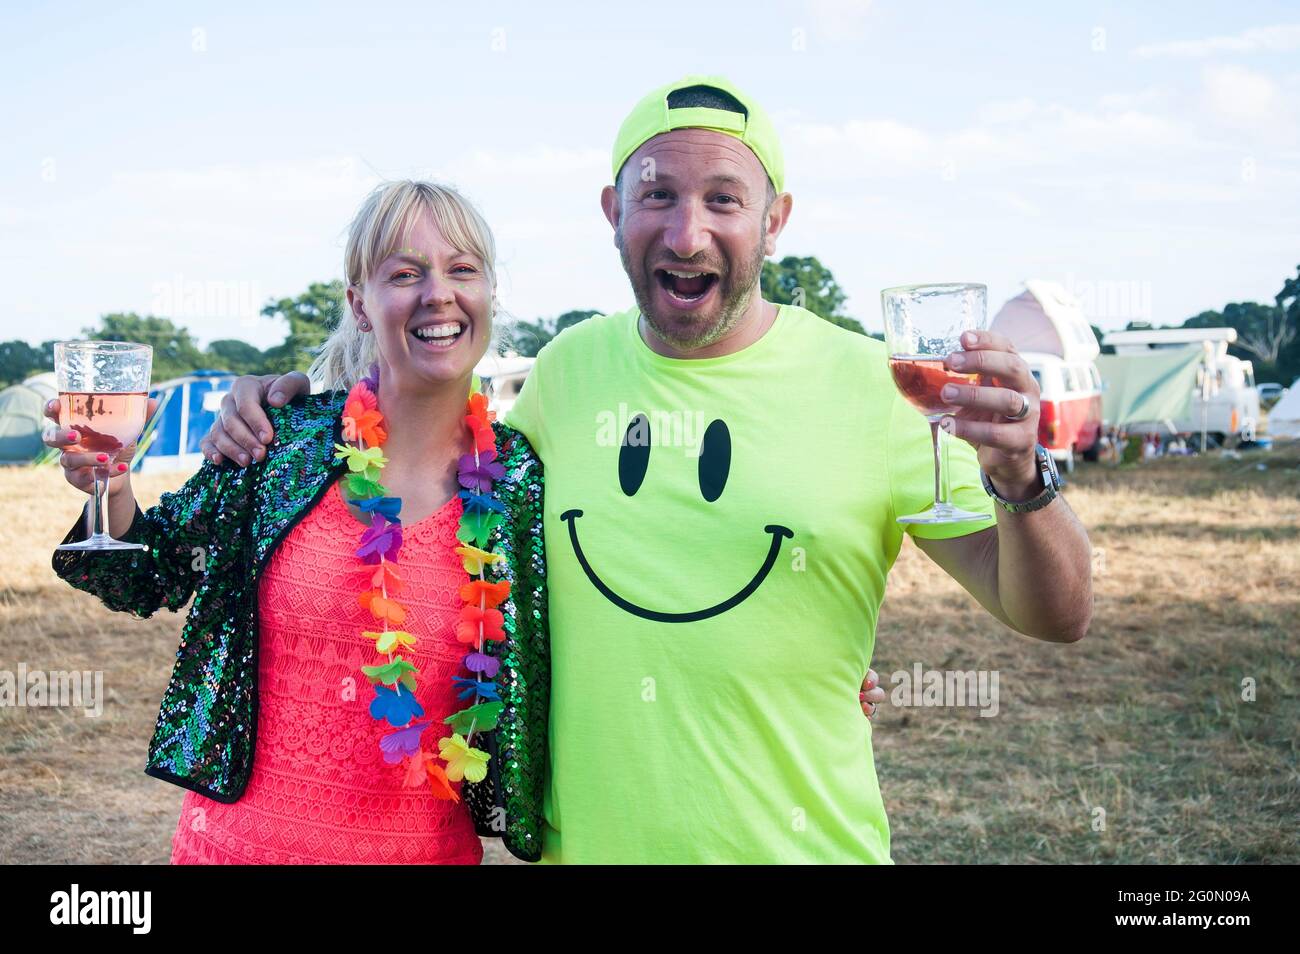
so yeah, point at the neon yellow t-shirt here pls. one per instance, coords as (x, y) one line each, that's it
(714, 587)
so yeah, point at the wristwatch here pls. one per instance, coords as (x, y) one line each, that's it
(1051, 485)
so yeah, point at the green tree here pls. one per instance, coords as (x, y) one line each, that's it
(571, 318)
(808, 283)
(19, 361)
(1266, 334)
(311, 317)
(1288, 300)
(231, 354)
(174, 351)
(529, 337)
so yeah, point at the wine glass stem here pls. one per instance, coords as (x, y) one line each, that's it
(100, 525)
(938, 464)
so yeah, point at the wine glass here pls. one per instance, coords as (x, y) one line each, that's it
(103, 396)
(924, 324)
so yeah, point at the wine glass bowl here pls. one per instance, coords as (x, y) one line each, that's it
(923, 325)
(103, 398)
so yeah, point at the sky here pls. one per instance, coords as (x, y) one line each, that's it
(193, 160)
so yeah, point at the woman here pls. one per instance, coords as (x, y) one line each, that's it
(350, 641)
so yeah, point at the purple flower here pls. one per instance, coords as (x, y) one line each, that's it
(381, 539)
(397, 745)
(482, 662)
(479, 476)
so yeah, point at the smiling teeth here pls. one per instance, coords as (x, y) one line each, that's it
(438, 331)
(686, 274)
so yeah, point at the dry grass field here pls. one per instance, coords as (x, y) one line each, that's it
(1141, 725)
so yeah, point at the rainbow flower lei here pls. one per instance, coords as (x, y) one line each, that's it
(394, 678)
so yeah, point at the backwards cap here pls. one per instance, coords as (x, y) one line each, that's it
(652, 117)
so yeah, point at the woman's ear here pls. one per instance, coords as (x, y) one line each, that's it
(358, 308)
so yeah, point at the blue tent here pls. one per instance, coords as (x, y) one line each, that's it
(187, 406)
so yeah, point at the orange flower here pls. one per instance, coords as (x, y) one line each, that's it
(363, 423)
(482, 592)
(484, 438)
(438, 782)
(471, 617)
(478, 408)
(361, 394)
(386, 576)
(382, 608)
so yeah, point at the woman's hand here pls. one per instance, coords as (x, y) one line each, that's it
(871, 695)
(79, 466)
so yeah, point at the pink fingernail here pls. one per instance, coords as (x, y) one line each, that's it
(72, 435)
(101, 457)
(121, 467)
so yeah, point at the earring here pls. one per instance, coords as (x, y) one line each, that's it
(365, 325)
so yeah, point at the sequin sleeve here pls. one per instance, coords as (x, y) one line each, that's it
(510, 803)
(179, 536)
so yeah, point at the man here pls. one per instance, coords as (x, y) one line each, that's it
(723, 477)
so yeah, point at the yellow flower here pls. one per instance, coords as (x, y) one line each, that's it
(476, 559)
(360, 461)
(390, 639)
(462, 761)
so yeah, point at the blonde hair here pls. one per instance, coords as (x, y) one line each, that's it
(378, 230)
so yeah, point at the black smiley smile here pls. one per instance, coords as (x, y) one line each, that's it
(776, 530)
(714, 467)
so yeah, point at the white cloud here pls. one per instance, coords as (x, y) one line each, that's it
(1007, 111)
(1271, 39)
(839, 20)
(1241, 97)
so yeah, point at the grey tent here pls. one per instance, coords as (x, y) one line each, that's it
(22, 418)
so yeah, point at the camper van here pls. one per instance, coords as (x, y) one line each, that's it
(1047, 325)
(1222, 400)
(502, 377)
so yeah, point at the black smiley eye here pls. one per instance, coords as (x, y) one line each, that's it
(634, 455)
(715, 460)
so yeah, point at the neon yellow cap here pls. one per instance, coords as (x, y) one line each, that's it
(651, 117)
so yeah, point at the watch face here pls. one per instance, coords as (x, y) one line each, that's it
(1049, 465)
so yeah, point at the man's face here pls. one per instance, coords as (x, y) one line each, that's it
(691, 224)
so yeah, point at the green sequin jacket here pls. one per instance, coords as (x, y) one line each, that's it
(213, 538)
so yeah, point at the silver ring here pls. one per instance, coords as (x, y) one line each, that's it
(1024, 410)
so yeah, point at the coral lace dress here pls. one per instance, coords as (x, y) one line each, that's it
(320, 792)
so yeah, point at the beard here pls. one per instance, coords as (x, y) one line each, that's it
(736, 289)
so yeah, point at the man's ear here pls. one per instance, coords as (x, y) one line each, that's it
(612, 205)
(778, 214)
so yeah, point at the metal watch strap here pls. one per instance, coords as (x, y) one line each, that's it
(1050, 484)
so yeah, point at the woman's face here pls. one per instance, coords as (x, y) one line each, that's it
(429, 308)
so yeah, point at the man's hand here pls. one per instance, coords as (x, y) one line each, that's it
(1006, 448)
(242, 430)
(871, 695)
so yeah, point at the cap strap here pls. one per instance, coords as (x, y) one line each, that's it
(706, 117)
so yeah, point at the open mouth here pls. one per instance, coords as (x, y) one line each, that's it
(774, 548)
(686, 286)
(440, 335)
